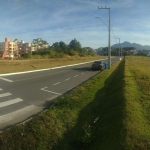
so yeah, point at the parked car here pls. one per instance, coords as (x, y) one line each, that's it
(97, 65)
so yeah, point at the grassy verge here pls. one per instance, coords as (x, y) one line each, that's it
(108, 112)
(137, 92)
(7, 66)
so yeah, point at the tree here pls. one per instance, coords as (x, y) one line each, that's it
(56, 47)
(74, 44)
(129, 48)
(39, 43)
(63, 47)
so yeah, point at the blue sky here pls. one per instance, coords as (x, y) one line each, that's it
(64, 20)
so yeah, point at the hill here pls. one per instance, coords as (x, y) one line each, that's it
(137, 46)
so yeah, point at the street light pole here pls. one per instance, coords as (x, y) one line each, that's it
(109, 50)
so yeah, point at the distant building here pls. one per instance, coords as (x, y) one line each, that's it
(142, 52)
(39, 43)
(24, 48)
(8, 49)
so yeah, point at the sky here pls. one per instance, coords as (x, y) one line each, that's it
(64, 20)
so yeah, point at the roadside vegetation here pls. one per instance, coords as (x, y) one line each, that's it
(61, 50)
(108, 112)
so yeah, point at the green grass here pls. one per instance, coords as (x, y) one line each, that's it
(137, 94)
(118, 97)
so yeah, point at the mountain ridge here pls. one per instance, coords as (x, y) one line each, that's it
(136, 45)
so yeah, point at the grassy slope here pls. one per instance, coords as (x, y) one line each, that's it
(119, 97)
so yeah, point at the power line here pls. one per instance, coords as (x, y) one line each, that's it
(81, 8)
(113, 34)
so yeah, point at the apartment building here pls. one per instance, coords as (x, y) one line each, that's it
(24, 48)
(8, 49)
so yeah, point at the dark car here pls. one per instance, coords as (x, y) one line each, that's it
(98, 65)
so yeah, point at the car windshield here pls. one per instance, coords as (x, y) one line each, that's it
(97, 62)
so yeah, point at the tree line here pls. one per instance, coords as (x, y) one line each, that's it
(61, 49)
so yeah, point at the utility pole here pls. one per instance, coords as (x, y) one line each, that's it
(109, 50)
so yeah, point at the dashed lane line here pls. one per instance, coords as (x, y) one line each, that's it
(57, 83)
(75, 75)
(37, 76)
(1, 89)
(10, 102)
(67, 79)
(5, 94)
(6, 79)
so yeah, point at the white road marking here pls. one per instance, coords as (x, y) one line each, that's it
(5, 94)
(82, 73)
(43, 89)
(17, 114)
(6, 79)
(10, 102)
(1, 89)
(67, 79)
(56, 83)
(76, 76)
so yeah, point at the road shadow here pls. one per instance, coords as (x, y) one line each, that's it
(82, 69)
(100, 123)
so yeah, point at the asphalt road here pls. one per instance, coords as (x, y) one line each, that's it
(24, 94)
